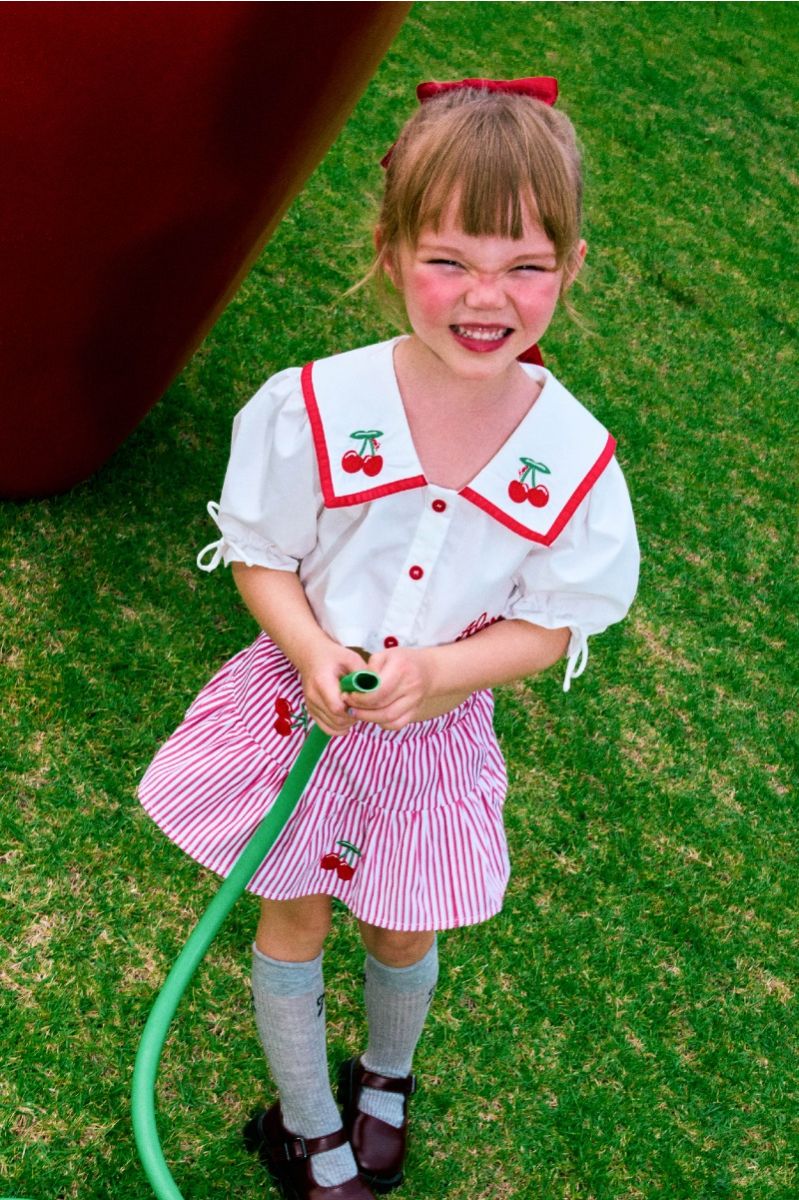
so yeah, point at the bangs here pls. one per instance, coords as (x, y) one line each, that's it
(484, 206)
(489, 169)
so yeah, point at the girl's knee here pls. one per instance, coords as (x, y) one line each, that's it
(293, 930)
(396, 947)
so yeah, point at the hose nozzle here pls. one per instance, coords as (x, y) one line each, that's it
(360, 681)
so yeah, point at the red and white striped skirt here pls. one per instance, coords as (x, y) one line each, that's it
(405, 828)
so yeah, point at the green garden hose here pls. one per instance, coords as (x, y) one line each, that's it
(204, 932)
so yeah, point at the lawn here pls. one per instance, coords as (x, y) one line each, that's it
(627, 1027)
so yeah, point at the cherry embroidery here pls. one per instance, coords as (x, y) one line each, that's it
(366, 458)
(536, 494)
(287, 720)
(343, 864)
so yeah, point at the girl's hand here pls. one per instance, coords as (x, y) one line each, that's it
(320, 674)
(423, 683)
(279, 604)
(407, 690)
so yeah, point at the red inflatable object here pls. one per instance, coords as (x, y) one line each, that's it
(148, 151)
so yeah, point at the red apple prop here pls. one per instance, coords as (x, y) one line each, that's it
(150, 151)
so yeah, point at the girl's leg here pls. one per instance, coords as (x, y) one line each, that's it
(293, 930)
(400, 978)
(289, 998)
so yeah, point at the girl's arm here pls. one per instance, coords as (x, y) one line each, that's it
(415, 684)
(277, 601)
(418, 684)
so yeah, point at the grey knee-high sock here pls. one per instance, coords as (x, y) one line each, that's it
(289, 1003)
(397, 1000)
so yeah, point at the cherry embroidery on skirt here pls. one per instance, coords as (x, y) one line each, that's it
(365, 458)
(536, 494)
(287, 720)
(343, 864)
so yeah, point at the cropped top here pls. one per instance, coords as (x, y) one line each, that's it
(324, 480)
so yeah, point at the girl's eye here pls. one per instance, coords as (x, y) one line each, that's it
(529, 267)
(443, 262)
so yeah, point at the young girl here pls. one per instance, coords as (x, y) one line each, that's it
(458, 520)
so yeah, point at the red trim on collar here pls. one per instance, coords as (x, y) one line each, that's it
(323, 458)
(566, 513)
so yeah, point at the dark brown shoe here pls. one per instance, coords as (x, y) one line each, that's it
(379, 1148)
(287, 1158)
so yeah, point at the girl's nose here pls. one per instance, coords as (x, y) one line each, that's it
(485, 291)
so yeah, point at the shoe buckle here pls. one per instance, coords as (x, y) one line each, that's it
(295, 1148)
(414, 1085)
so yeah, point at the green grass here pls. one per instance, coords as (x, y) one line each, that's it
(627, 1027)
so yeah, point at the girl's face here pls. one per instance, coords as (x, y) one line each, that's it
(476, 303)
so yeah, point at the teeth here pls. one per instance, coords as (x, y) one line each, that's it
(481, 335)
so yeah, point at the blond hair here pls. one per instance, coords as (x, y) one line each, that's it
(495, 155)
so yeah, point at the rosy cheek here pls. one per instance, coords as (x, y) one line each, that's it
(541, 297)
(431, 294)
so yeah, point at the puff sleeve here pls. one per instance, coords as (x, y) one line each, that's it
(587, 579)
(271, 498)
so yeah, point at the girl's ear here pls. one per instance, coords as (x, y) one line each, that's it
(575, 264)
(386, 256)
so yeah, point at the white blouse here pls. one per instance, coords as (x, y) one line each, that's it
(324, 479)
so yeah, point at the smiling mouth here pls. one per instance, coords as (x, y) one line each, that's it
(482, 333)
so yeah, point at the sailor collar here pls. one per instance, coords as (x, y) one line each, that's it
(364, 449)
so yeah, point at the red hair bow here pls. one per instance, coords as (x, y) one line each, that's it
(541, 87)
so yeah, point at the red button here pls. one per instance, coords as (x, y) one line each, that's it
(439, 506)
(390, 642)
(416, 572)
